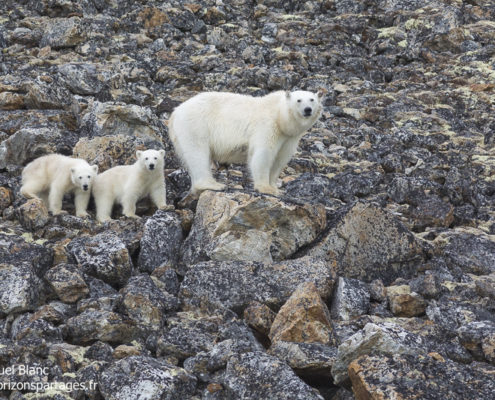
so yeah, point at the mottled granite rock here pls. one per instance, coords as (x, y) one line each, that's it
(350, 299)
(67, 282)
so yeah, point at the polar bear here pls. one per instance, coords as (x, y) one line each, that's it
(235, 128)
(126, 184)
(53, 175)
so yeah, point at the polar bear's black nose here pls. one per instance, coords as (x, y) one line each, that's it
(85, 187)
(152, 166)
(307, 111)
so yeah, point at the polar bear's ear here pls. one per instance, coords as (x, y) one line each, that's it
(95, 168)
(138, 154)
(287, 94)
(72, 170)
(162, 153)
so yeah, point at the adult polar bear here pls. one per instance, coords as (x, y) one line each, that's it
(235, 128)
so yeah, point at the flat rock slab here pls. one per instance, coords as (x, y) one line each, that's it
(406, 376)
(234, 284)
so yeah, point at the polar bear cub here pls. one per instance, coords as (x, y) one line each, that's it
(233, 128)
(50, 177)
(126, 184)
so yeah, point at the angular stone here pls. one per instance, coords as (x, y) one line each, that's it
(476, 337)
(350, 299)
(303, 318)
(235, 284)
(47, 96)
(161, 241)
(404, 303)
(145, 304)
(488, 347)
(432, 211)
(107, 326)
(259, 317)
(20, 288)
(108, 151)
(83, 79)
(33, 214)
(67, 282)
(63, 32)
(5, 198)
(137, 377)
(103, 256)
(384, 338)
(257, 375)
(306, 359)
(241, 226)
(102, 119)
(408, 376)
(370, 244)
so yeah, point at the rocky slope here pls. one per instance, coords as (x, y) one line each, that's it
(372, 276)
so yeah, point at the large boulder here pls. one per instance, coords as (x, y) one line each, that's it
(235, 284)
(241, 226)
(371, 243)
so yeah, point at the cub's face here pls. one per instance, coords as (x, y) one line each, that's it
(306, 105)
(151, 159)
(83, 177)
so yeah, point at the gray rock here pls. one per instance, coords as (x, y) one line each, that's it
(368, 243)
(145, 303)
(67, 282)
(20, 288)
(33, 214)
(61, 33)
(385, 338)
(161, 241)
(235, 284)
(103, 256)
(107, 326)
(241, 226)
(351, 298)
(83, 79)
(145, 377)
(257, 375)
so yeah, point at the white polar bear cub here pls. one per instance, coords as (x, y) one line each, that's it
(53, 175)
(126, 184)
(234, 128)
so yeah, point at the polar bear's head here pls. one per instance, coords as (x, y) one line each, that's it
(305, 105)
(83, 176)
(151, 159)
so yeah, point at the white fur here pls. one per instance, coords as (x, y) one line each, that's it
(234, 128)
(52, 176)
(126, 184)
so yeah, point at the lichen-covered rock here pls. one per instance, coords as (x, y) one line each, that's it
(108, 151)
(103, 256)
(83, 79)
(235, 284)
(33, 214)
(259, 317)
(145, 303)
(384, 338)
(161, 241)
(240, 226)
(404, 303)
(5, 198)
(67, 282)
(370, 244)
(410, 375)
(350, 299)
(145, 377)
(257, 375)
(20, 288)
(303, 318)
(101, 119)
(62, 32)
(306, 359)
(107, 326)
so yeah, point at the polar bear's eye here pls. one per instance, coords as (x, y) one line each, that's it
(299, 100)
(311, 99)
(80, 177)
(155, 158)
(146, 158)
(89, 177)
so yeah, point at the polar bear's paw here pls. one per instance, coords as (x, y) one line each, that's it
(207, 185)
(267, 189)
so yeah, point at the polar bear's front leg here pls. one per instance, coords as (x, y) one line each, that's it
(129, 205)
(158, 195)
(260, 165)
(55, 198)
(81, 201)
(283, 157)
